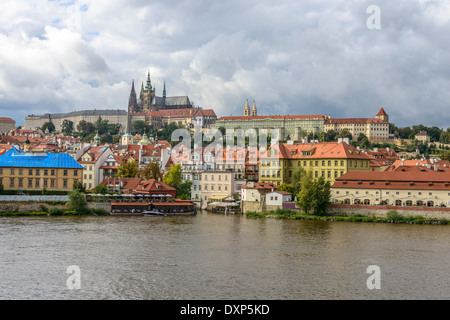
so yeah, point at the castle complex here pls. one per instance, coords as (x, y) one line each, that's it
(149, 101)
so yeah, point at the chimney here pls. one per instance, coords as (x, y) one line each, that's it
(435, 167)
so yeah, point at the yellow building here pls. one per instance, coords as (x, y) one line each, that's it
(51, 171)
(328, 159)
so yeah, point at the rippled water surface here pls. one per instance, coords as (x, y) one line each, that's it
(211, 256)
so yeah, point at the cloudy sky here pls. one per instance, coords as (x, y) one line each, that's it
(290, 56)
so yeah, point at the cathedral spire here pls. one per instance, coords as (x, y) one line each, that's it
(246, 109)
(254, 112)
(149, 82)
(132, 101)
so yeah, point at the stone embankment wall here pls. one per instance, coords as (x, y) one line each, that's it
(381, 211)
(26, 206)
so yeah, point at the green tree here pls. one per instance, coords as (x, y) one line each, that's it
(67, 127)
(286, 187)
(128, 169)
(345, 133)
(315, 195)
(166, 132)
(444, 137)
(184, 190)
(106, 138)
(113, 128)
(85, 128)
(152, 171)
(79, 186)
(77, 202)
(48, 125)
(306, 194)
(321, 196)
(446, 156)
(101, 189)
(296, 180)
(361, 137)
(173, 177)
(101, 126)
(141, 127)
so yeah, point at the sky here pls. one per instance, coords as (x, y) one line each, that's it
(332, 57)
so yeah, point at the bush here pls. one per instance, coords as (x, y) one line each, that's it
(394, 216)
(55, 211)
(100, 212)
(285, 212)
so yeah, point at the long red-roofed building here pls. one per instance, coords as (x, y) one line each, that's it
(402, 184)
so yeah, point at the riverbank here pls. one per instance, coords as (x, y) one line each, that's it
(54, 211)
(392, 217)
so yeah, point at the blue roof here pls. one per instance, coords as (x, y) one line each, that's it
(16, 157)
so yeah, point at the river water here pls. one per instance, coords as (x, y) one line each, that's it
(213, 256)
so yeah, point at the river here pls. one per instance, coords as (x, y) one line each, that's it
(213, 256)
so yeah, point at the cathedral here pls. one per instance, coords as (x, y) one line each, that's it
(149, 101)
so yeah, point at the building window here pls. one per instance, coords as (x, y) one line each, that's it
(30, 172)
(45, 172)
(11, 182)
(20, 172)
(52, 172)
(36, 182)
(45, 182)
(12, 171)
(30, 183)
(65, 183)
(65, 172)
(52, 182)
(20, 182)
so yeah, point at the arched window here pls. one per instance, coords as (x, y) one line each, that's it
(357, 201)
(347, 201)
(408, 203)
(398, 203)
(419, 203)
(366, 201)
(430, 204)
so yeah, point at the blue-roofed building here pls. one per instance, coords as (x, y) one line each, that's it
(29, 171)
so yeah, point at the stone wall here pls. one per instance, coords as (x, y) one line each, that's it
(381, 211)
(27, 206)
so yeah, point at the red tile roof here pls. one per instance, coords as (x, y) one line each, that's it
(382, 112)
(408, 178)
(132, 185)
(354, 120)
(288, 117)
(7, 119)
(324, 150)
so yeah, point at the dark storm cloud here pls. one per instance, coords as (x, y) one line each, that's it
(291, 57)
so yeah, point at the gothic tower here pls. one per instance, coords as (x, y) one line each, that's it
(132, 101)
(254, 112)
(246, 109)
(382, 115)
(147, 95)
